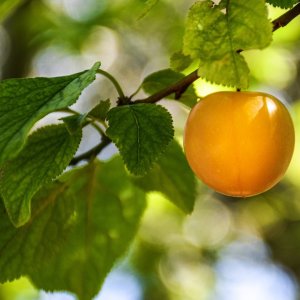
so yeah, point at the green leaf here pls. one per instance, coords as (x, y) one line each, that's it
(74, 123)
(100, 111)
(283, 3)
(7, 7)
(23, 249)
(179, 61)
(141, 132)
(216, 33)
(109, 208)
(173, 177)
(47, 153)
(149, 5)
(24, 101)
(164, 78)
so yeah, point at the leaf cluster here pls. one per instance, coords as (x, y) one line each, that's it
(70, 227)
(215, 35)
(65, 226)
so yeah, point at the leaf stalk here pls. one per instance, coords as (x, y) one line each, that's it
(114, 82)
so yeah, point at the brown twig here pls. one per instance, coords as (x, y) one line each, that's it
(287, 17)
(178, 88)
(92, 152)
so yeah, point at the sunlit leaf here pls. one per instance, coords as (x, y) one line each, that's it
(283, 3)
(141, 132)
(215, 34)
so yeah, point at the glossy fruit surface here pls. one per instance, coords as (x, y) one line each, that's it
(239, 143)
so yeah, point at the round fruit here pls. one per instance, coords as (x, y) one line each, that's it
(239, 143)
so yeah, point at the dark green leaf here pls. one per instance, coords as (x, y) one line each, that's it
(100, 111)
(24, 101)
(74, 123)
(23, 249)
(173, 177)
(108, 211)
(283, 3)
(141, 132)
(216, 33)
(161, 79)
(179, 61)
(47, 153)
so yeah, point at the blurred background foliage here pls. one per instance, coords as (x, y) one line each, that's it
(235, 249)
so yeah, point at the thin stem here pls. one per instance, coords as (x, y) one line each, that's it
(92, 153)
(99, 129)
(137, 90)
(90, 121)
(96, 120)
(114, 82)
(68, 110)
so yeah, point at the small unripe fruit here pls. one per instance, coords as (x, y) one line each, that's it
(239, 143)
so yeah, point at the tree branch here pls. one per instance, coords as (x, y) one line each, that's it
(287, 17)
(180, 86)
(92, 152)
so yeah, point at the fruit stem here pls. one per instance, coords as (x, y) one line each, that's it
(180, 86)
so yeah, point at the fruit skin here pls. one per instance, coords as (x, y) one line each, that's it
(239, 143)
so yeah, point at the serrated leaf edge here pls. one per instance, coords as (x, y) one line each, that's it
(143, 173)
(23, 222)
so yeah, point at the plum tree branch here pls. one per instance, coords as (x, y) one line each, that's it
(92, 152)
(180, 86)
(287, 17)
